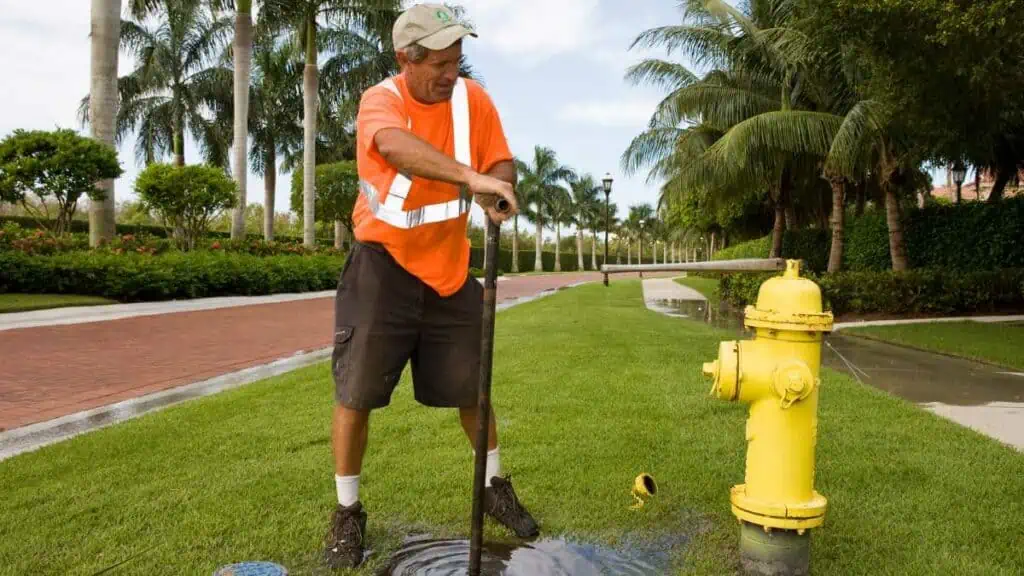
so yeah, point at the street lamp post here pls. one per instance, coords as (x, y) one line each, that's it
(642, 222)
(607, 223)
(959, 172)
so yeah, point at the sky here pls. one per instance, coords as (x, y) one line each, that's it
(554, 68)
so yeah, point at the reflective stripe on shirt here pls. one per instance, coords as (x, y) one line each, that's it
(392, 209)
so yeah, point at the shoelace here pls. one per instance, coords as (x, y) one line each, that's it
(509, 500)
(350, 528)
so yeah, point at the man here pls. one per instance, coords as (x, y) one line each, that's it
(428, 143)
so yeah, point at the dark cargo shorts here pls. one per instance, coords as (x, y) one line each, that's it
(385, 317)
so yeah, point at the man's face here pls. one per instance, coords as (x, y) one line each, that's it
(433, 78)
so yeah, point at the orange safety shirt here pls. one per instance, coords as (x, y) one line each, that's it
(421, 222)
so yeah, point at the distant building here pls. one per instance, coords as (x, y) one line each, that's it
(969, 193)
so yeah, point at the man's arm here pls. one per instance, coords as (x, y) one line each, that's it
(505, 170)
(411, 154)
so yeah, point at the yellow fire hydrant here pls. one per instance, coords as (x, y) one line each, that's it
(777, 374)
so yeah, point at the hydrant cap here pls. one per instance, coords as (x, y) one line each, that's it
(789, 302)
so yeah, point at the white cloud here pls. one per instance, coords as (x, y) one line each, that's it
(628, 113)
(45, 63)
(531, 31)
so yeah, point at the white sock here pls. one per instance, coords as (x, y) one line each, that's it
(348, 489)
(493, 466)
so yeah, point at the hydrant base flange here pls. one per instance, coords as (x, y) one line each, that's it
(787, 517)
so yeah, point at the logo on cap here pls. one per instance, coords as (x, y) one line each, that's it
(443, 16)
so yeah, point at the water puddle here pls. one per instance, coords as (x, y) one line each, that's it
(721, 316)
(424, 556)
(985, 398)
(921, 377)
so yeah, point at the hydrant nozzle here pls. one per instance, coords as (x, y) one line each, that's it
(776, 373)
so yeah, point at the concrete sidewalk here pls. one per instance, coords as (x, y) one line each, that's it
(83, 314)
(656, 289)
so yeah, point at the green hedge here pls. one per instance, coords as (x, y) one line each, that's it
(527, 257)
(82, 227)
(971, 236)
(137, 277)
(922, 291)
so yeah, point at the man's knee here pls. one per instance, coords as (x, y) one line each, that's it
(350, 420)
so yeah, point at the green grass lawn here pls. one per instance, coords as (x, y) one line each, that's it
(590, 390)
(996, 343)
(26, 302)
(706, 286)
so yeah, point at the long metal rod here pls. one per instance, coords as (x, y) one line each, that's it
(742, 265)
(484, 395)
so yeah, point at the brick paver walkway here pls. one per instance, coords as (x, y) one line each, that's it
(52, 371)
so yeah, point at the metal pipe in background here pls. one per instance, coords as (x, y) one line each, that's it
(484, 395)
(741, 265)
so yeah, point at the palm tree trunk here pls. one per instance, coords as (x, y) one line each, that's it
(243, 66)
(106, 36)
(835, 257)
(339, 234)
(861, 199)
(1003, 175)
(538, 263)
(179, 142)
(781, 214)
(309, 97)
(558, 247)
(777, 230)
(579, 249)
(515, 243)
(629, 252)
(269, 187)
(593, 249)
(897, 247)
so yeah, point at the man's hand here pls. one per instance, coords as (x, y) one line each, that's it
(487, 190)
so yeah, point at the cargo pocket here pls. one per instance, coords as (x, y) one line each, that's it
(341, 353)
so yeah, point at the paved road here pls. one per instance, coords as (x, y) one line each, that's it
(52, 371)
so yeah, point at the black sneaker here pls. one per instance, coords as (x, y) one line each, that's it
(344, 547)
(500, 503)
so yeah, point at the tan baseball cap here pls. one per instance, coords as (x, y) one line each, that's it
(432, 26)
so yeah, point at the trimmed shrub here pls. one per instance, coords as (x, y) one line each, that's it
(803, 245)
(40, 242)
(971, 236)
(81, 226)
(132, 277)
(922, 291)
(527, 257)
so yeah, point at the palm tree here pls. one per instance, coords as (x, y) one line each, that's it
(275, 100)
(106, 20)
(243, 47)
(173, 85)
(539, 180)
(639, 222)
(585, 192)
(755, 60)
(560, 211)
(302, 17)
(595, 222)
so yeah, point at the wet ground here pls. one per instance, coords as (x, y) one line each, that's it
(423, 556)
(985, 398)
